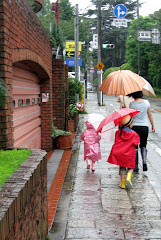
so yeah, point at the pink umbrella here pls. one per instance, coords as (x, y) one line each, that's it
(113, 119)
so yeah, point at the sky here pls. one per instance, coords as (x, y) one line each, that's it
(149, 6)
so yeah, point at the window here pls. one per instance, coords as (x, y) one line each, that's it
(20, 102)
(27, 101)
(33, 100)
(14, 103)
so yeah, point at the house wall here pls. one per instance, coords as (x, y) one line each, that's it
(24, 41)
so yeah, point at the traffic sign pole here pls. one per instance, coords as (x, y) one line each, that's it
(99, 93)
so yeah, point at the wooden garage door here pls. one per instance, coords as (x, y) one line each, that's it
(26, 109)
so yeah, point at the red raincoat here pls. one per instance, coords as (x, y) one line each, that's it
(123, 151)
(91, 143)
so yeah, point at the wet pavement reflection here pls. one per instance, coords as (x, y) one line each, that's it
(93, 207)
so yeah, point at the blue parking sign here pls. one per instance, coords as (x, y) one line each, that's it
(120, 11)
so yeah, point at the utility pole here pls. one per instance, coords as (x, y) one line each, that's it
(138, 29)
(76, 43)
(99, 93)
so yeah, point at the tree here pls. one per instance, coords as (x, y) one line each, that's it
(150, 53)
(112, 34)
(66, 11)
(48, 20)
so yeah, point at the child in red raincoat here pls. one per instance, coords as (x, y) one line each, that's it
(91, 145)
(123, 151)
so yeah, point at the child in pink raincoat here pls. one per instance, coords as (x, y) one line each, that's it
(91, 145)
(123, 151)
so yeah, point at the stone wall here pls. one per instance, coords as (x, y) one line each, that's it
(23, 201)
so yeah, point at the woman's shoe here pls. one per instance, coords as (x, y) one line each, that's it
(122, 185)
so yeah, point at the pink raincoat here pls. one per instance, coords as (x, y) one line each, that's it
(91, 143)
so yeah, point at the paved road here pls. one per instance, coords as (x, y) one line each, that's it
(93, 207)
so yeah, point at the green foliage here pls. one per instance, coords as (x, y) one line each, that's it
(112, 34)
(75, 89)
(72, 110)
(3, 91)
(31, 3)
(67, 19)
(47, 19)
(157, 92)
(150, 53)
(57, 132)
(10, 161)
(124, 66)
(66, 10)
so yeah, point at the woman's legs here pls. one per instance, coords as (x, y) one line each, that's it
(142, 131)
(136, 169)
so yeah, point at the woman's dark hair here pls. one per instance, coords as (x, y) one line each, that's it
(135, 95)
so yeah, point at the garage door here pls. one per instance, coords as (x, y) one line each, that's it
(26, 109)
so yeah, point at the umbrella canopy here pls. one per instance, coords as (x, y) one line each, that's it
(95, 119)
(147, 89)
(122, 82)
(113, 119)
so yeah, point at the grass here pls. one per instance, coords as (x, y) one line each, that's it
(10, 160)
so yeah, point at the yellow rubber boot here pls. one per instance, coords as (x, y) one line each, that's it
(122, 185)
(128, 181)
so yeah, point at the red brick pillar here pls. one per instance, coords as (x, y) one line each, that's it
(67, 96)
(46, 115)
(59, 92)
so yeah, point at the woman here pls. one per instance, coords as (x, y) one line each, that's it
(140, 125)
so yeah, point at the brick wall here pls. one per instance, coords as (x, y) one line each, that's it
(60, 93)
(20, 29)
(23, 201)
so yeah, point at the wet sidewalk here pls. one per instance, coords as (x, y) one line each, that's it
(91, 204)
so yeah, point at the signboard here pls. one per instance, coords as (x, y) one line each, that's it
(144, 36)
(70, 46)
(120, 11)
(71, 62)
(95, 41)
(72, 54)
(100, 66)
(117, 22)
(155, 36)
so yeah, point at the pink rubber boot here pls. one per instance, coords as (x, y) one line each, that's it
(93, 166)
(88, 164)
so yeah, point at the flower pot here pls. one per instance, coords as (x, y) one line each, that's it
(71, 125)
(64, 141)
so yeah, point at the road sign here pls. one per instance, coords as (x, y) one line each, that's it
(117, 22)
(120, 11)
(70, 46)
(144, 36)
(70, 54)
(71, 62)
(100, 66)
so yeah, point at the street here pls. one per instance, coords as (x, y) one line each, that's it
(92, 206)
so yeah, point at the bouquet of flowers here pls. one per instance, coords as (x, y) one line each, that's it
(80, 108)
